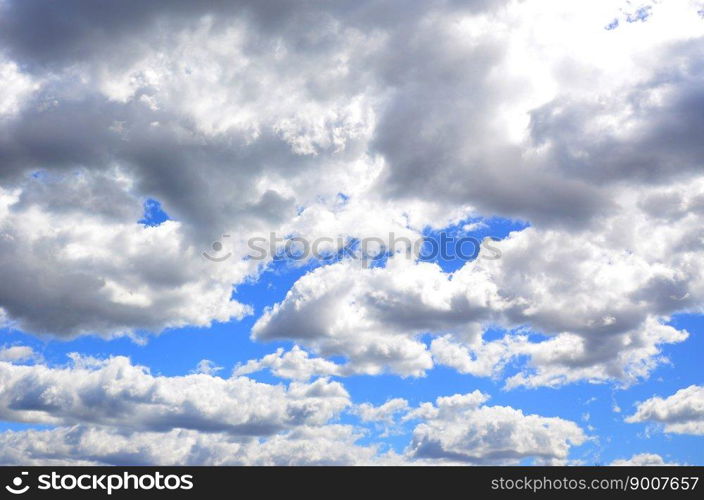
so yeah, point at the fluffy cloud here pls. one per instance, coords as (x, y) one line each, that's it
(102, 275)
(386, 412)
(327, 310)
(82, 445)
(17, 87)
(240, 162)
(549, 117)
(294, 364)
(681, 413)
(346, 119)
(114, 392)
(207, 367)
(643, 459)
(601, 296)
(17, 353)
(458, 428)
(113, 412)
(244, 119)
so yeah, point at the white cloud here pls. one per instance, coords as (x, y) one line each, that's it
(82, 445)
(17, 88)
(117, 276)
(295, 364)
(17, 353)
(112, 412)
(601, 298)
(350, 119)
(207, 367)
(114, 392)
(386, 413)
(460, 429)
(456, 429)
(643, 459)
(681, 413)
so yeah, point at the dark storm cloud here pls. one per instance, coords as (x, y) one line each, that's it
(51, 34)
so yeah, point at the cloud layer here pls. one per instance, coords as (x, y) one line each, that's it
(113, 412)
(345, 120)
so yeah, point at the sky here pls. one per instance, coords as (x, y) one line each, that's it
(464, 232)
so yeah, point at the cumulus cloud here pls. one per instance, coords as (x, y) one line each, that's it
(459, 428)
(85, 445)
(680, 413)
(590, 305)
(114, 392)
(543, 125)
(386, 413)
(347, 119)
(113, 412)
(243, 119)
(643, 459)
(17, 87)
(103, 275)
(326, 309)
(207, 367)
(17, 353)
(295, 364)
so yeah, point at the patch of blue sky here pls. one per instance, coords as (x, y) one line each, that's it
(641, 14)
(154, 214)
(612, 25)
(21, 426)
(453, 246)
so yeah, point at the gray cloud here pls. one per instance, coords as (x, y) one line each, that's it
(663, 120)
(48, 35)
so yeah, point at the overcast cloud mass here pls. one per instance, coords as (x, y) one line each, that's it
(134, 135)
